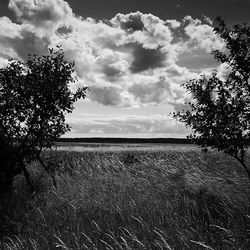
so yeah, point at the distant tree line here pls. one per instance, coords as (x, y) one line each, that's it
(126, 140)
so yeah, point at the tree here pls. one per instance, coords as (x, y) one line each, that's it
(34, 98)
(219, 116)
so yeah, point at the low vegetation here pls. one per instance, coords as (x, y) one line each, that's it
(151, 197)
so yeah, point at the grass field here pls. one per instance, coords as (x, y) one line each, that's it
(148, 196)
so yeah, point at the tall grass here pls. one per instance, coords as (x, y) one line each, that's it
(131, 199)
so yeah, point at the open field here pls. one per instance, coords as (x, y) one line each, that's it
(124, 147)
(130, 196)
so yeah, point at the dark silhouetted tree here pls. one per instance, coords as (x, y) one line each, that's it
(34, 98)
(219, 114)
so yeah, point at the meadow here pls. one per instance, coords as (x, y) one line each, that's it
(130, 196)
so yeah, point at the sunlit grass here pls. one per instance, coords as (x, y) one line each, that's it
(131, 197)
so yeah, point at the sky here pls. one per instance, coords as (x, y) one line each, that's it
(133, 55)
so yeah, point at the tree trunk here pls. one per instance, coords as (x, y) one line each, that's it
(242, 162)
(47, 170)
(27, 176)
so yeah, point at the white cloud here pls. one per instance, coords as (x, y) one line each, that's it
(45, 14)
(202, 35)
(173, 23)
(146, 29)
(9, 29)
(3, 62)
(96, 131)
(223, 71)
(131, 60)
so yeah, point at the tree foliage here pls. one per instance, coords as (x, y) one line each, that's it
(34, 98)
(219, 116)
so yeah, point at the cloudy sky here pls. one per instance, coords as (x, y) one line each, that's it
(132, 54)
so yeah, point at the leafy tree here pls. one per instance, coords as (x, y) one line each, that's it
(219, 116)
(34, 98)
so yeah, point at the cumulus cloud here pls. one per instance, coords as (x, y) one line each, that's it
(201, 35)
(131, 22)
(17, 42)
(130, 60)
(112, 64)
(146, 29)
(29, 43)
(45, 13)
(8, 28)
(173, 23)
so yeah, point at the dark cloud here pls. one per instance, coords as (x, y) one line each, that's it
(63, 30)
(110, 71)
(132, 22)
(109, 96)
(30, 44)
(145, 59)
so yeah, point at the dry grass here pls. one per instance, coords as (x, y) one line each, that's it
(121, 197)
